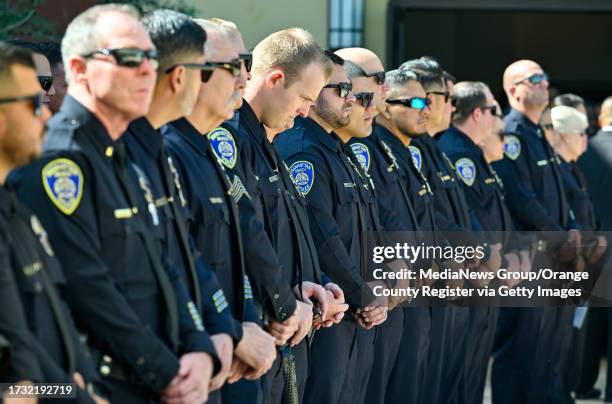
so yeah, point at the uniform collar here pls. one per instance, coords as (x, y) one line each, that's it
(315, 130)
(457, 135)
(78, 115)
(189, 133)
(149, 138)
(386, 135)
(519, 117)
(248, 118)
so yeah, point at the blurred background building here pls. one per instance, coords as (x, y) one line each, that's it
(473, 39)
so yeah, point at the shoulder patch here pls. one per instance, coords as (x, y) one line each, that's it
(466, 169)
(362, 153)
(302, 174)
(223, 146)
(512, 147)
(417, 159)
(63, 182)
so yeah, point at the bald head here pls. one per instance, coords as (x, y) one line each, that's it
(520, 70)
(605, 116)
(363, 57)
(217, 39)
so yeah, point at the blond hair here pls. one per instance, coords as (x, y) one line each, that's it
(291, 50)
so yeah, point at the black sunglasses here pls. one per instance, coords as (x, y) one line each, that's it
(379, 77)
(446, 94)
(232, 67)
(247, 59)
(418, 103)
(205, 69)
(365, 99)
(35, 99)
(493, 109)
(128, 57)
(344, 88)
(534, 79)
(45, 82)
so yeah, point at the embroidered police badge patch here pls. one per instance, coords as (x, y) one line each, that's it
(416, 156)
(512, 146)
(63, 182)
(302, 174)
(362, 153)
(466, 169)
(224, 146)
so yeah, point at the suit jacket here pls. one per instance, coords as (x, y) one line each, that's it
(596, 164)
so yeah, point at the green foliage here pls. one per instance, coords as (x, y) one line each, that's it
(145, 6)
(19, 19)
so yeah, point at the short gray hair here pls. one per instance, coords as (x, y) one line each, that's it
(82, 34)
(212, 29)
(397, 79)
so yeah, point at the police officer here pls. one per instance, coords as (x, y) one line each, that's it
(396, 215)
(289, 70)
(474, 119)
(214, 220)
(450, 324)
(176, 37)
(528, 338)
(395, 126)
(146, 342)
(341, 212)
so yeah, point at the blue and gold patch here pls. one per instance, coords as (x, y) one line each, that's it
(512, 146)
(466, 169)
(302, 174)
(223, 146)
(417, 159)
(63, 182)
(362, 153)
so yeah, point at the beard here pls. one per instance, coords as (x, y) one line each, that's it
(336, 119)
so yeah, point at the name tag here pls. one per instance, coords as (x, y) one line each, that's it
(159, 202)
(215, 199)
(489, 180)
(446, 178)
(123, 213)
(348, 185)
(273, 178)
(541, 163)
(422, 192)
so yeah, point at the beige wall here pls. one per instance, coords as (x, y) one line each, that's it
(258, 18)
(376, 27)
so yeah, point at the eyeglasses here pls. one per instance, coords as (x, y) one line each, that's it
(493, 109)
(205, 69)
(35, 99)
(534, 79)
(247, 59)
(379, 77)
(344, 88)
(128, 57)
(418, 103)
(45, 82)
(232, 67)
(547, 126)
(365, 99)
(446, 94)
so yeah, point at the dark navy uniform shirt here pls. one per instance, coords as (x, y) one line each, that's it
(214, 220)
(338, 215)
(282, 207)
(530, 172)
(158, 178)
(40, 280)
(83, 192)
(578, 197)
(483, 194)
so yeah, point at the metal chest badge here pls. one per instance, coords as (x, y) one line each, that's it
(466, 169)
(223, 146)
(417, 159)
(63, 182)
(302, 174)
(512, 146)
(362, 153)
